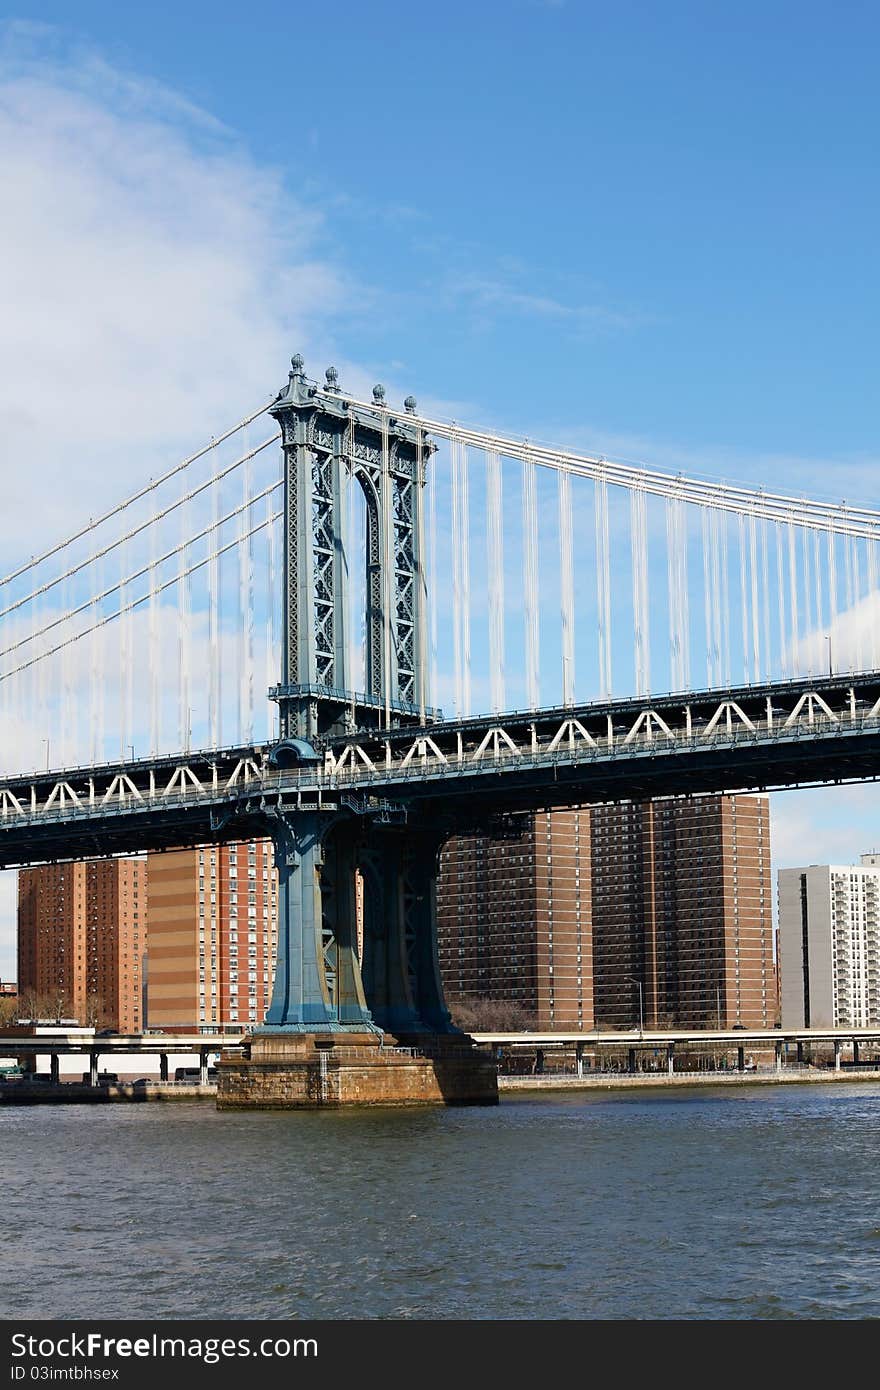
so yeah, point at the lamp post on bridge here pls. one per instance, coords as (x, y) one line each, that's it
(632, 979)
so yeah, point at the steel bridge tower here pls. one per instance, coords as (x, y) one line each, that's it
(322, 982)
(330, 448)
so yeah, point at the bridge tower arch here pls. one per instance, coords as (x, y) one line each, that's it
(331, 444)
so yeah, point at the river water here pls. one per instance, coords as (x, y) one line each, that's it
(762, 1202)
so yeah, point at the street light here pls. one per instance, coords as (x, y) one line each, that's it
(633, 981)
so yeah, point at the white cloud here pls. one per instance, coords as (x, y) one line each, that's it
(848, 643)
(154, 279)
(485, 292)
(824, 825)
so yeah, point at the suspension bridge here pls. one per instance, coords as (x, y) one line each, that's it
(359, 629)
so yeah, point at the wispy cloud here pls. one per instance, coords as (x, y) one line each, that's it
(154, 277)
(154, 280)
(488, 295)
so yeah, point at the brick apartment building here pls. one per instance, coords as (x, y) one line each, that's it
(82, 940)
(213, 916)
(656, 912)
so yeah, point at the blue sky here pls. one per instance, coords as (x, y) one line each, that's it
(648, 230)
(646, 220)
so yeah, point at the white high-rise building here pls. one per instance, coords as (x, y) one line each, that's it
(829, 945)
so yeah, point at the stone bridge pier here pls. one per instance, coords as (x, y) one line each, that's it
(357, 1013)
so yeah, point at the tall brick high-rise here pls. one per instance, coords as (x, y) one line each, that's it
(514, 918)
(682, 906)
(654, 912)
(213, 936)
(82, 939)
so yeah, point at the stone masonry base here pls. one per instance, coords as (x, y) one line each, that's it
(290, 1071)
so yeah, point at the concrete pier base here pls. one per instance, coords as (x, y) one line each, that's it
(292, 1071)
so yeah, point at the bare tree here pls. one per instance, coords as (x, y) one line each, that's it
(481, 1014)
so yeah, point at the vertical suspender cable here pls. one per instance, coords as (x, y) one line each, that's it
(719, 615)
(674, 612)
(456, 575)
(639, 551)
(676, 568)
(495, 552)
(184, 714)
(858, 656)
(817, 574)
(765, 591)
(725, 595)
(530, 580)
(461, 576)
(780, 599)
(872, 598)
(850, 587)
(215, 663)
(122, 642)
(128, 722)
(603, 587)
(793, 602)
(707, 596)
(566, 586)
(95, 670)
(465, 561)
(832, 585)
(155, 655)
(43, 701)
(34, 682)
(808, 602)
(67, 705)
(683, 602)
(271, 600)
(753, 565)
(246, 610)
(743, 556)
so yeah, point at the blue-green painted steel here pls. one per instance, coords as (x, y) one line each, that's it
(317, 979)
(330, 447)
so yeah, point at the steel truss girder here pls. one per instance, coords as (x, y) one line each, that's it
(786, 734)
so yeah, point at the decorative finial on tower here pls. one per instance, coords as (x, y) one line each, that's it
(378, 394)
(297, 363)
(409, 405)
(331, 379)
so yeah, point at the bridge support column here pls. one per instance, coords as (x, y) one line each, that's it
(54, 1074)
(93, 1068)
(800, 1053)
(837, 1048)
(631, 1059)
(318, 986)
(163, 1066)
(778, 1050)
(855, 1052)
(401, 972)
(325, 1039)
(579, 1057)
(670, 1058)
(740, 1058)
(203, 1067)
